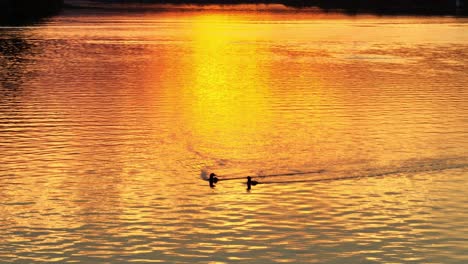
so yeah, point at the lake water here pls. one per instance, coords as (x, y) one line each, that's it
(107, 121)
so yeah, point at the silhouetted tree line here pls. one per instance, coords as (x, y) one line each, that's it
(375, 6)
(388, 6)
(28, 9)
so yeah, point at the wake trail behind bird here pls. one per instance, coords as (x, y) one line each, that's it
(322, 175)
(261, 176)
(373, 175)
(204, 175)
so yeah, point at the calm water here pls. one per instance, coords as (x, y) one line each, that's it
(107, 120)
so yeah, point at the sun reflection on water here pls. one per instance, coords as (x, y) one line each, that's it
(229, 100)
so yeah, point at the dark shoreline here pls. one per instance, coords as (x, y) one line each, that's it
(406, 7)
(28, 11)
(394, 7)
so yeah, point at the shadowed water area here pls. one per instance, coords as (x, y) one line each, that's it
(107, 120)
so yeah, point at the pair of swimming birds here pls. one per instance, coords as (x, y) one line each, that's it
(213, 180)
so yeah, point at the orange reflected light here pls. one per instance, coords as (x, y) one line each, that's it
(229, 105)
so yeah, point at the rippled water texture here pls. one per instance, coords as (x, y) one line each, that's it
(107, 120)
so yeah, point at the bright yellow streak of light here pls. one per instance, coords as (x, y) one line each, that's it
(230, 107)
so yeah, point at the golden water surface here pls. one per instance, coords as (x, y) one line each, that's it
(107, 120)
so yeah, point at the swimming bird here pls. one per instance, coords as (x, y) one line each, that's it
(213, 180)
(250, 183)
